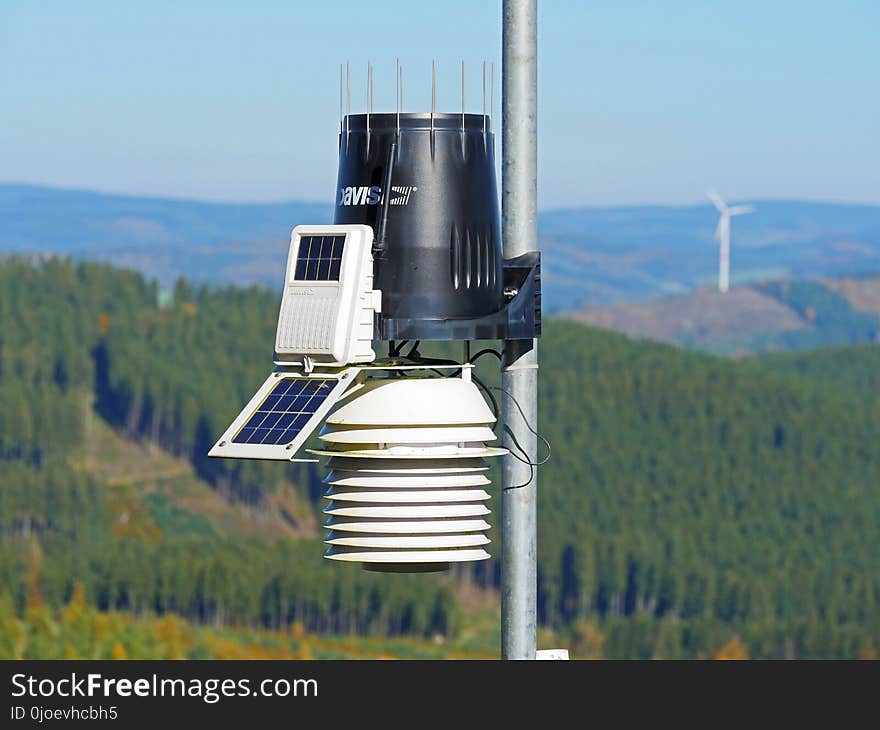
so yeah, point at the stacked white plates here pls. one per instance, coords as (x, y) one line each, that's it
(406, 483)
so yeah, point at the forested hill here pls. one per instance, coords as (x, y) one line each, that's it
(770, 316)
(690, 503)
(687, 492)
(855, 368)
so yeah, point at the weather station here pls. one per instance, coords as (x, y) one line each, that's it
(417, 252)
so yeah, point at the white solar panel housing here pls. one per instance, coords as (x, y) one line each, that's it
(328, 303)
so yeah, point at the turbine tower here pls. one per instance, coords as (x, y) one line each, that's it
(722, 233)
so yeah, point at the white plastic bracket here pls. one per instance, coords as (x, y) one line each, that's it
(552, 654)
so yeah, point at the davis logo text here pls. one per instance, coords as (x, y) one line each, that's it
(372, 195)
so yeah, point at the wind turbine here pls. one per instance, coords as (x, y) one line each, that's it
(722, 233)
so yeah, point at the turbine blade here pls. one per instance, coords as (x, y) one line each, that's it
(716, 199)
(740, 209)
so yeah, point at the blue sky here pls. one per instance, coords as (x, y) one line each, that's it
(640, 102)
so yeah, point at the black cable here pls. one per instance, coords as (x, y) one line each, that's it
(453, 374)
(415, 357)
(419, 360)
(528, 426)
(488, 392)
(519, 458)
(394, 351)
(487, 351)
(531, 464)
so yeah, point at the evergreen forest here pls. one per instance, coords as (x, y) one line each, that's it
(693, 506)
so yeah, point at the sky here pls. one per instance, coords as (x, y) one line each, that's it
(639, 102)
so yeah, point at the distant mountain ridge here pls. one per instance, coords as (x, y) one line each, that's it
(164, 238)
(600, 256)
(764, 317)
(591, 256)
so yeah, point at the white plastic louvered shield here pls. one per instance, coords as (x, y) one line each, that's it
(406, 479)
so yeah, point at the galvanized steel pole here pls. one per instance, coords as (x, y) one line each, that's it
(519, 374)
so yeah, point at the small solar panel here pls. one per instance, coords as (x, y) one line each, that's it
(285, 411)
(319, 258)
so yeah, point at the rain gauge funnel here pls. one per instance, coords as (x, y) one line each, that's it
(439, 263)
(442, 253)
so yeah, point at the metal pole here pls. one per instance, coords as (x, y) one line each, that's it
(519, 373)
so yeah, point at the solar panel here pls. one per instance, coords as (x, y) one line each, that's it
(319, 258)
(285, 411)
(282, 414)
